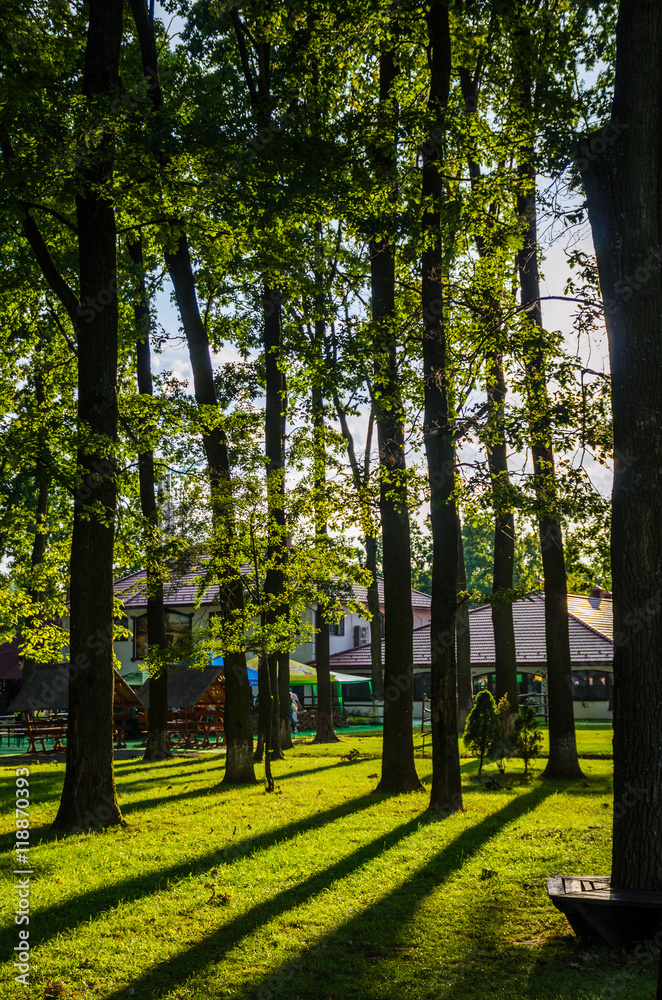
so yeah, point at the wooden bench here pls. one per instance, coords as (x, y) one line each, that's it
(39, 731)
(198, 730)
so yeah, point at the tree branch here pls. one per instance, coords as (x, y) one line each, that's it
(243, 54)
(57, 283)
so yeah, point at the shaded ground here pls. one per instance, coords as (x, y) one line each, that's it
(323, 890)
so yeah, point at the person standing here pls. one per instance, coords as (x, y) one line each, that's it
(295, 707)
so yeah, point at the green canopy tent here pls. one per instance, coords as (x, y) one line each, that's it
(303, 673)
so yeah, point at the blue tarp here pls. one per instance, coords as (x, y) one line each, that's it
(218, 661)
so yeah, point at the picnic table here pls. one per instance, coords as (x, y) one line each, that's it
(198, 730)
(40, 730)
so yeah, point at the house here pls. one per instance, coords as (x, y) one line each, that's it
(186, 610)
(590, 622)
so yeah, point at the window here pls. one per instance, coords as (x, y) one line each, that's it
(357, 693)
(178, 629)
(590, 685)
(337, 628)
(422, 684)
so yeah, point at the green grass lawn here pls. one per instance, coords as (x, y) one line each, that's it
(322, 890)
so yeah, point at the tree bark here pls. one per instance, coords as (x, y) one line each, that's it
(505, 652)
(362, 486)
(398, 767)
(462, 641)
(497, 453)
(324, 721)
(238, 731)
(563, 761)
(38, 553)
(158, 742)
(259, 86)
(274, 432)
(89, 799)
(622, 172)
(438, 432)
(266, 717)
(237, 720)
(376, 670)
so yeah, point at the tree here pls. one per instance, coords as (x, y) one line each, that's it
(563, 761)
(503, 746)
(324, 723)
(488, 244)
(361, 480)
(398, 767)
(526, 736)
(157, 746)
(482, 729)
(438, 432)
(621, 167)
(89, 798)
(462, 641)
(177, 255)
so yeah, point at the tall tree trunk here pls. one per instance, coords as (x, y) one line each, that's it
(505, 652)
(376, 670)
(274, 428)
(276, 748)
(266, 717)
(496, 448)
(362, 487)
(398, 767)
(238, 731)
(325, 732)
(259, 86)
(463, 641)
(89, 798)
(446, 792)
(563, 761)
(237, 722)
(622, 172)
(158, 742)
(38, 553)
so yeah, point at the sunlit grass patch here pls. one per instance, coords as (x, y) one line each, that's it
(324, 889)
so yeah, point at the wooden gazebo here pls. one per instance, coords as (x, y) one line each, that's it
(196, 702)
(47, 690)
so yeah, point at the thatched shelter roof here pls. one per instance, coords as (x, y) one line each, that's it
(47, 689)
(188, 688)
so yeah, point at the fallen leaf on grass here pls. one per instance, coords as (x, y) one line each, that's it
(54, 990)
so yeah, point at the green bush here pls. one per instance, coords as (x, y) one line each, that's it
(527, 738)
(482, 733)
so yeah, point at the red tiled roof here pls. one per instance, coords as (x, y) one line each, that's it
(418, 599)
(597, 612)
(184, 590)
(587, 647)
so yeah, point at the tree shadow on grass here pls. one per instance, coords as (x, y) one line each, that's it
(215, 789)
(392, 912)
(548, 967)
(54, 920)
